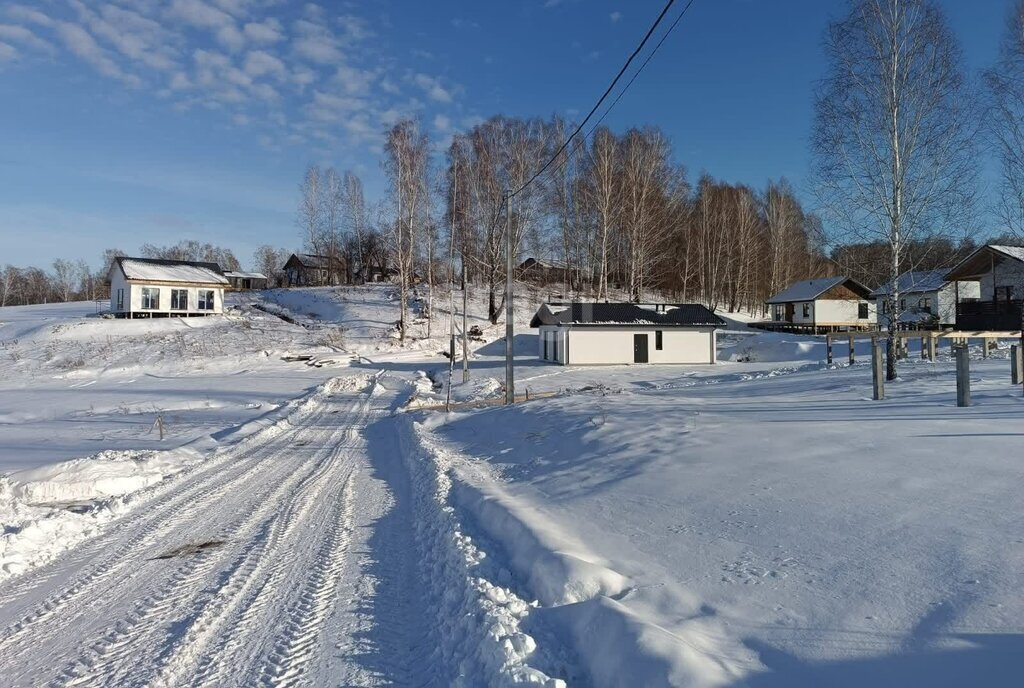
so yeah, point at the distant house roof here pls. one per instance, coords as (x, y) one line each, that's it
(542, 264)
(915, 282)
(245, 275)
(677, 315)
(809, 290)
(980, 261)
(310, 260)
(161, 270)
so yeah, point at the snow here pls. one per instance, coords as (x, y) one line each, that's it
(806, 290)
(166, 271)
(757, 522)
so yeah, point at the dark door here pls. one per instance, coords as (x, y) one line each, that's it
(789, 312)
(640, 348)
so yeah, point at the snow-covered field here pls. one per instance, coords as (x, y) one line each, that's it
(760, 522)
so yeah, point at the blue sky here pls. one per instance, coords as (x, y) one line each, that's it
(132, 121)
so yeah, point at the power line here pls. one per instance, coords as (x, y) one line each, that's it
(611, 86)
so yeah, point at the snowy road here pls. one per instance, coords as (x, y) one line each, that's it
(280, 562)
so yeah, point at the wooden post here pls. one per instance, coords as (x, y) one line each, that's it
(853, 356)
(1016, 364)
(963, 376)
(984, 347)
(828, 349)
(933, 344)
(877, 370)
(924, 348)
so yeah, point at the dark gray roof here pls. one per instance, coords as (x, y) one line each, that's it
(915, 282)
(809, 290)
(670, 315)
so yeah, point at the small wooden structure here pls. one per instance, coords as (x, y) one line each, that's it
(930, 340)
(817, 306)
(242, 281)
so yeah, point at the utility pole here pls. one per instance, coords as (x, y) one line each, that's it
(510, 385)
(465, 335)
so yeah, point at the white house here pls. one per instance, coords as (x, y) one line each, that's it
(620, 333)
(926, 298)
(1000, 297)
(150, 287)
(821, 305)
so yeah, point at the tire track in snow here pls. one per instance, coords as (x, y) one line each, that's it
(108, 654)
(259, 456)
(297, 646)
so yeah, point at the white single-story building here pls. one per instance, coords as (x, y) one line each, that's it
(1000, 298)
(152, 287)
(826, 304)
(622, 333)
(926, 298)
(246, 280)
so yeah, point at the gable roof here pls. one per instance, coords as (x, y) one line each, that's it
(915, 282)
(162, 270)
(808, 290)
(677, 315)
(980, 261)
(312, 260)
(245, 275)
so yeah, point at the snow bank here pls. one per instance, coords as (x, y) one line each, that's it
(107, 474)
(623, 650)
(615, 646)
(484, 637)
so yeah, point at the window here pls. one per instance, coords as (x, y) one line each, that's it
(179, 299)
(1004, 293)
(862, 311)
(120, 299)
(205, 300)
(544, 339)
(807, 310)
(925, 304)
(778, 312)
(903, 304)
(885, 307)
(151, 298)
(657, 340)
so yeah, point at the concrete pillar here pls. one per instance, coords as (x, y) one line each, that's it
(828, 349)
(1017, 364)
(853, 356)
(877, 370)
(963, 376)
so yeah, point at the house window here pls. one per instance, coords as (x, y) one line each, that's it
(1004, 293)
(885, 307)
(925, 304)
(120, 299)
(778, 312)
(545, 341)
(205, 300)
(657, 340)
(150, 298)
(554, 348)
(807, 310)
(903, 304)
(862, 311)
(179, 299)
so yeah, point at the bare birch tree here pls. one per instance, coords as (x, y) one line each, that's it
(892, 133)
(1005, 82)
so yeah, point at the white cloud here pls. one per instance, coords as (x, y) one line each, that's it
(241, 120)
(19, 34)
(615, 16)
(28, 14)
(264, 32)
(200, 14)
(442, 123)
(352, 80)
(81, 43)
(432, 87)
(261, 63)
(315, 43)
(7, 53)
(231, 38)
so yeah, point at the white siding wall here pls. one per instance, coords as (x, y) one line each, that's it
(614, 345)
(1010, 273)
(165, 299)
(117, 282)
(842, 311)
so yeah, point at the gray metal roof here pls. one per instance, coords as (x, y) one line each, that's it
(670, 315)
(806, 290)
(916, 282)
